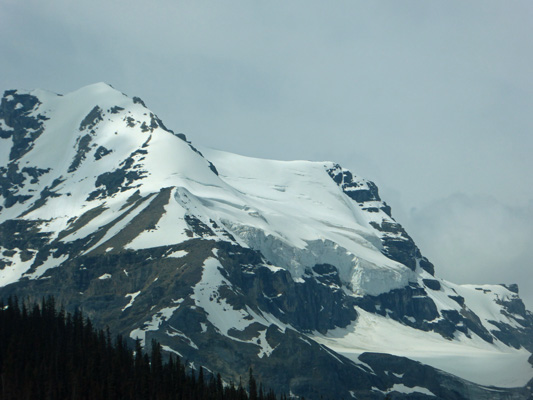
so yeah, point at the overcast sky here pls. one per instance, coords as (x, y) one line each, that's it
(433, 100)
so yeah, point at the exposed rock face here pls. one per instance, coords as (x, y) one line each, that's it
(22, 130)
(397, 244)
(289, 267)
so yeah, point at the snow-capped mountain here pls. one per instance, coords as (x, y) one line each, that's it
(294, 268)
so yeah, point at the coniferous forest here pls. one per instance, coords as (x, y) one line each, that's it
(46, 354)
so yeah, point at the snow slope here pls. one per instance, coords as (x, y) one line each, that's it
(300, 217)
(472, 359)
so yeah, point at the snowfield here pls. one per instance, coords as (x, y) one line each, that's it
(471, 359)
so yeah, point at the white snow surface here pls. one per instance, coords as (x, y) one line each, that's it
(398, 387)
(472, 359)
(51, 262)
(483, 301)
(132, 297)
(206, 295)
(153, 325)
(169, 230)
(297, 216)
(5, 146)
(178, 254)
(223, 316)
(401, 388)
(15, 271)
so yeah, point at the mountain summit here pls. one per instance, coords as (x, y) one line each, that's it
(296, 269)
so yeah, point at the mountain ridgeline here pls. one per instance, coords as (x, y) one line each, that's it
(294, 268)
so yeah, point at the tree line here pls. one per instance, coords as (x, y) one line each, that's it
(46, 354)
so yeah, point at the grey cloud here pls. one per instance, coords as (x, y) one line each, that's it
(477, 239)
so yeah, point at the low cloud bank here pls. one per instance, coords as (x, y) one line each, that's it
(477, 239)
